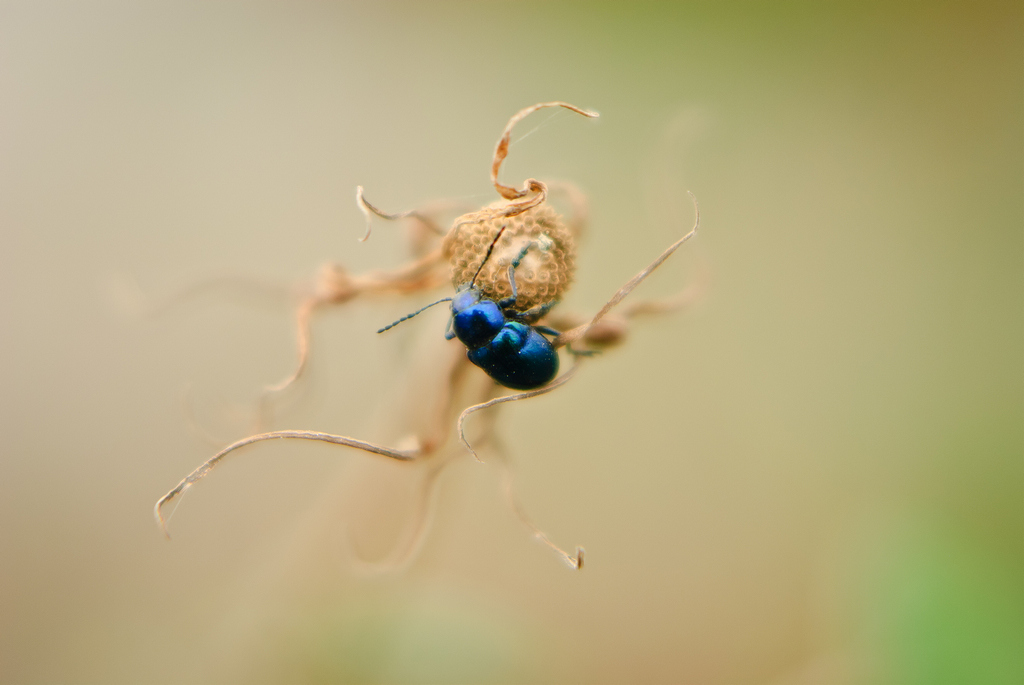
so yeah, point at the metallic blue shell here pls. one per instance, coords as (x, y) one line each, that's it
(518, 357)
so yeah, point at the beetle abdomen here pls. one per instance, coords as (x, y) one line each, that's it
(519, 357)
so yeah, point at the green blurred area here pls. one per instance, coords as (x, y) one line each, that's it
(815, 476)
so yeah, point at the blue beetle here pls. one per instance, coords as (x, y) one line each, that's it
(511, 352)
(501, 340)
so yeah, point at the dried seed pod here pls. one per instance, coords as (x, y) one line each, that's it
(544, 274)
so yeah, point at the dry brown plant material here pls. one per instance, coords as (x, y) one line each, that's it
(478, 249)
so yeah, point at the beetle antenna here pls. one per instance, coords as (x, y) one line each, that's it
(487, 255)
(409, 316)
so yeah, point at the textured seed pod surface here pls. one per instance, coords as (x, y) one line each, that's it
(546, 270)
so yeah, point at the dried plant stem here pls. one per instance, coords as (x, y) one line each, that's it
(557, 383)
(399, 558)
(572, 335)
(501, 150)
(440, 261)
(366, 208)
(508, 487)
(211, 463)
(337, 287)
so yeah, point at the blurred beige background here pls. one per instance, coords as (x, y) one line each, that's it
(815, 476)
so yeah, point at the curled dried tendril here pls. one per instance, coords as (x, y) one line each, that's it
(208, 465)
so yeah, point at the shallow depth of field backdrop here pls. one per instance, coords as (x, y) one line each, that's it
(814, 476)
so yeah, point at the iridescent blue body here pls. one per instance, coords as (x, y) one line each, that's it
(511, 352)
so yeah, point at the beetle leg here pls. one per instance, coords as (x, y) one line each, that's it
(547, 330)
(510, 301)
(535, 313)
